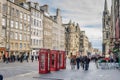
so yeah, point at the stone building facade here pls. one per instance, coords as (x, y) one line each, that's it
(72, 36)
(84, 43)
(47, 32)
(106, 20)
(115, 29)
(58, 32)
(36, 28)
(2, 40)
(54, 37)
(16, 27)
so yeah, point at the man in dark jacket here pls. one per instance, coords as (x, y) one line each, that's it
(86, 62)
(1, 77)
(78, 62)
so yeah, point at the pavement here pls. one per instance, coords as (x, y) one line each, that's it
(29, 71)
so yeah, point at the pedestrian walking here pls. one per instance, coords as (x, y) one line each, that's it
(96, 62)
(86, 63)
(73, 62)
(32, 58)
(78, 62)
(1, 77)
(18, 57)
(6, 57)
(21, 57)
(82, 61)
(36, 56)
(27, 57)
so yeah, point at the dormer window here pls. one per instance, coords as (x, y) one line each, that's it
(33, 5)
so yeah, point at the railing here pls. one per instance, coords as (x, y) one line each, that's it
(108, 65)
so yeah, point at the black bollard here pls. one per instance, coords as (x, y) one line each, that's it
(1, 77)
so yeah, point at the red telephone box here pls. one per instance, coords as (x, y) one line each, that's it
(62, 59)
(54, 60)
(44, 61)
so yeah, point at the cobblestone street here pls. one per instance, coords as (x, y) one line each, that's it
(28, 71)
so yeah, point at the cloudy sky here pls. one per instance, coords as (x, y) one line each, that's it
(88, 13)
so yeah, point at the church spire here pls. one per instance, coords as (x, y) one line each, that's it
(105, 6)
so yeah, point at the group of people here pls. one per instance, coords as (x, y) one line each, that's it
(78, 61)
(20, 57)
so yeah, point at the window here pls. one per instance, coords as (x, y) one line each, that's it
(28, 28)
(28, 37)
(34, 22)
(0, 7)
(21, 15)
(25, 17)
(8, 22)
(24, 45)
(20, 45)
(28, 18)
(37, 32)
(12, 23)
(17, 12)
(16, 45)
(24, 37)
(12, 11)
(11, 35)
(3, 33)
(4, 8)
(3, 22)
(38, 14)
(34, 32)
(37, 23)
(33, 12)
(20, 35)
(37, 42)
(40, 24)
(28, 45)
(20, 25)
(25, 27)
(34, 42)
(41, 42)
(107, 35)
(11, 46)
(16, 35)
(9, 10)
(16, 24)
